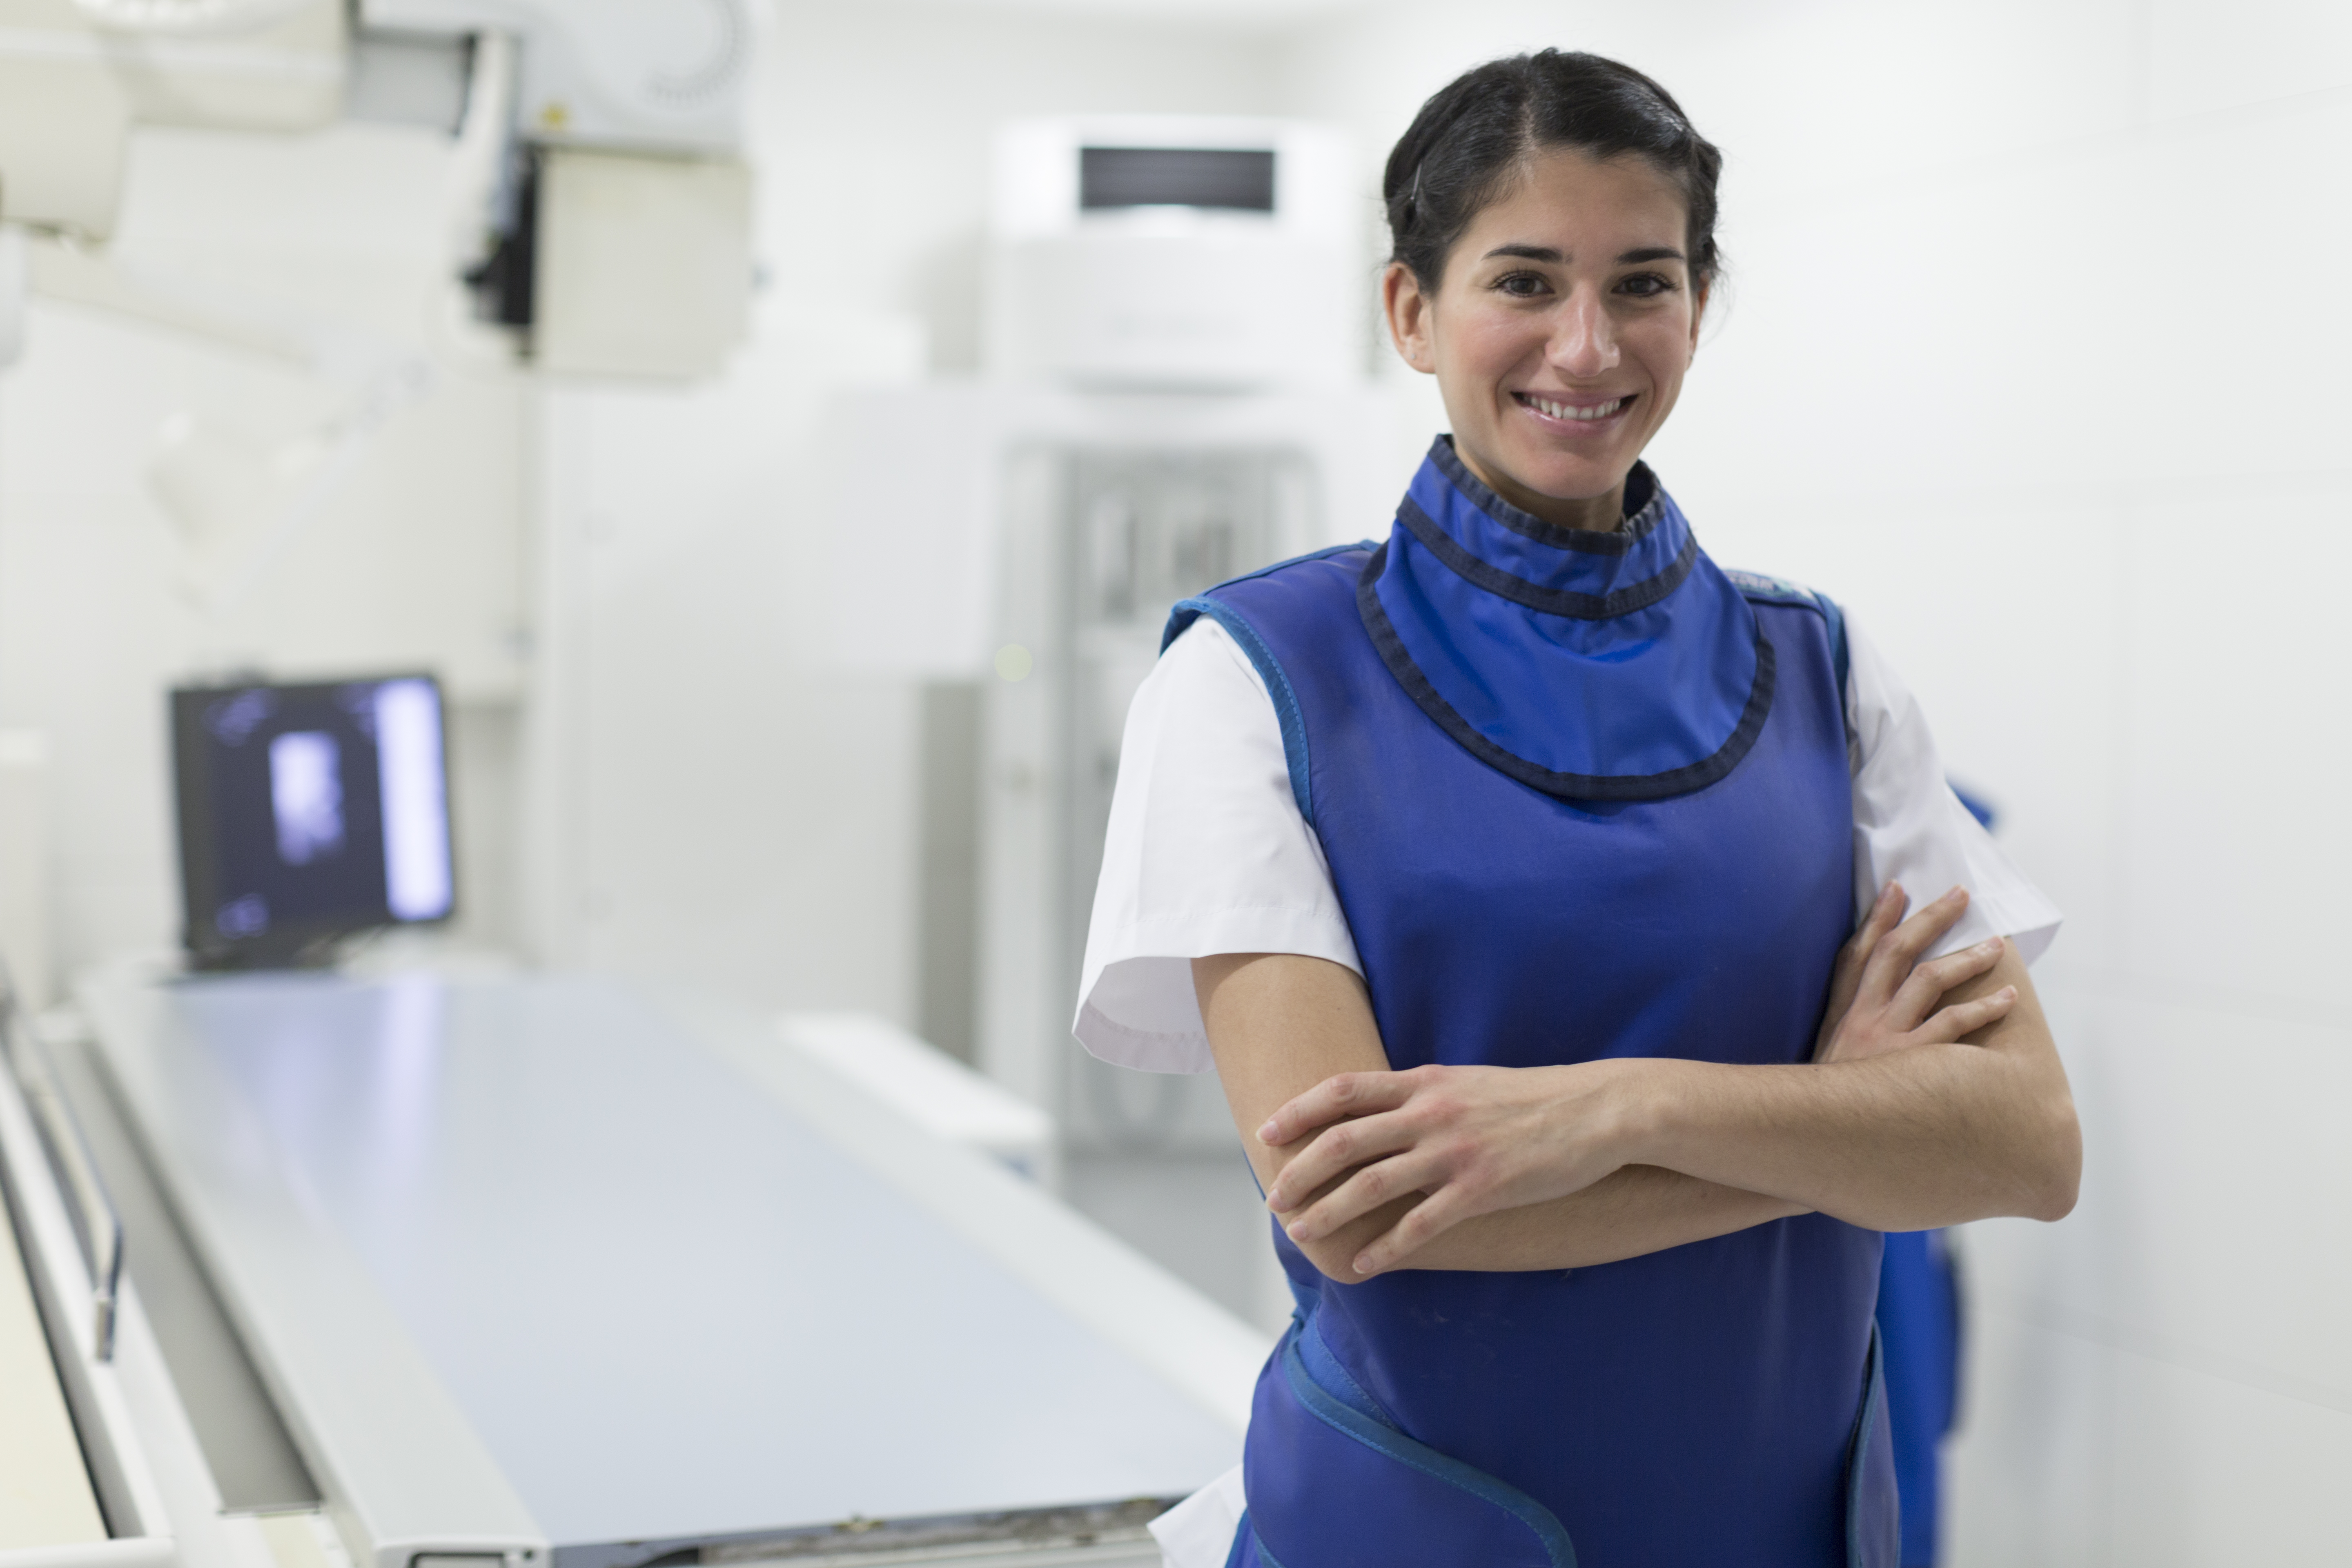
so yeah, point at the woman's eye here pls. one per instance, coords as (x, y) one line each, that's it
(1645, 284)
(1520, 285)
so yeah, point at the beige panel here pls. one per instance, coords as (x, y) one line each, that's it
(299, 1540)
(286, 75)
(64, 122)
(46, 1498)
(645, 264)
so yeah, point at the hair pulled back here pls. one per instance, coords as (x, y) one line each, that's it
(1474, 134)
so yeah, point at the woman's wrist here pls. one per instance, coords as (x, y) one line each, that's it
(1649, 1105)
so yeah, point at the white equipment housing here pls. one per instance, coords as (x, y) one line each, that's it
(1167, 252)
(1175, 396)
(72, 83)
(653, 75)
(1111, 508)
(1178, 295)
(644, 264)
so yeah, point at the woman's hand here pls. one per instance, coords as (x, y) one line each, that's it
(1474, 1140)
(1882, 998)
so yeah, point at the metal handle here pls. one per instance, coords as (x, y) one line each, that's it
(96, 1226)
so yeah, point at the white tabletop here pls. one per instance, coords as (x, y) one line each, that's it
(668, 1305)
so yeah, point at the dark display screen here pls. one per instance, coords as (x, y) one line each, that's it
(309, 813)
(1236, 179)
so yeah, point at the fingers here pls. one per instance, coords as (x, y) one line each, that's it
(1348, 1094)
(1845, 976)
(1898, 952)
(1333, 1154)
(1380, 1183)
(1917, 997)
(1924, 930)
(1422, 1224)
(1961, 1019)
(1885, 913)
(1877, 921)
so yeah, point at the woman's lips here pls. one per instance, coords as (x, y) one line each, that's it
(1579, 418)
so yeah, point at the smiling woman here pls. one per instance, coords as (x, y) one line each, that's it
(1533, 883)
(1571, 316)
(1569, 238)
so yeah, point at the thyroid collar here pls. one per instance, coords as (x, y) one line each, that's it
(1590, 666)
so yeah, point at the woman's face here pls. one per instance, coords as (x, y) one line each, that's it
(1559, 331)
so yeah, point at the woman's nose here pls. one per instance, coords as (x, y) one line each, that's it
(1584, 340)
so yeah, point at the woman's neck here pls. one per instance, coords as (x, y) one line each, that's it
(1596, 514)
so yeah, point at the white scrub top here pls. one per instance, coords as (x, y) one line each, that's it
(1207, 852)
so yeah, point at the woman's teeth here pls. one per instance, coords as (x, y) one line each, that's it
(1570, 410)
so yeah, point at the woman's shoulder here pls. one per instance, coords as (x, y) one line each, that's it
(1875, 697)
(1764, 588)
(1205, 691)
(1202, 655)
(1263, 601)
(1767, 588)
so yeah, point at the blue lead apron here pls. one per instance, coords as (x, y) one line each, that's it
(1583, 796)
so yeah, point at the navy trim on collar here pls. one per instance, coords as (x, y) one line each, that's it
(1565, 787)
(1550, 601)
(1591, 542)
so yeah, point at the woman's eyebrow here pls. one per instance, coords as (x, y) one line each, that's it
(1546, 253)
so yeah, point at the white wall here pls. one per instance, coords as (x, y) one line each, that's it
(2035, 359)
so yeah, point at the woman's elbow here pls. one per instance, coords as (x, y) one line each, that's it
(1334, 1257)
(2059, 1176)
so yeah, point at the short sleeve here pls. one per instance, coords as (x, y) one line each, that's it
(1909, 826)
(1206, 852)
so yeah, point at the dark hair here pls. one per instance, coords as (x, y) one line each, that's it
(1474, 134)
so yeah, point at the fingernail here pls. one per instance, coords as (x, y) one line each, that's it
(1956, 895)
(1266, 1134)
(1991, 946)
(1362, 1266)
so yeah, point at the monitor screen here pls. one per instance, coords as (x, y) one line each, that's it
(307, 813)
(1236, 179)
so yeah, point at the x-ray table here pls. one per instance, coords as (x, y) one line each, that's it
(547, 1268)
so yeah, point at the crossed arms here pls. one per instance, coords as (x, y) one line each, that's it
(1935, 1095)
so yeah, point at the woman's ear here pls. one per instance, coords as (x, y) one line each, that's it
(1699, 311)
(1407, 312)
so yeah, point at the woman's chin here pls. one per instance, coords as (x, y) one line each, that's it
(1567, 479)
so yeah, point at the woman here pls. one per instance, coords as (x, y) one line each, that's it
(1509, 871)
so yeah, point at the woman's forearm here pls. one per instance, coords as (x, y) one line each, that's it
(1928, 1136)
(1638, 1210)
(1281, 1022)
(1502, 1169)
(1630, 1213)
